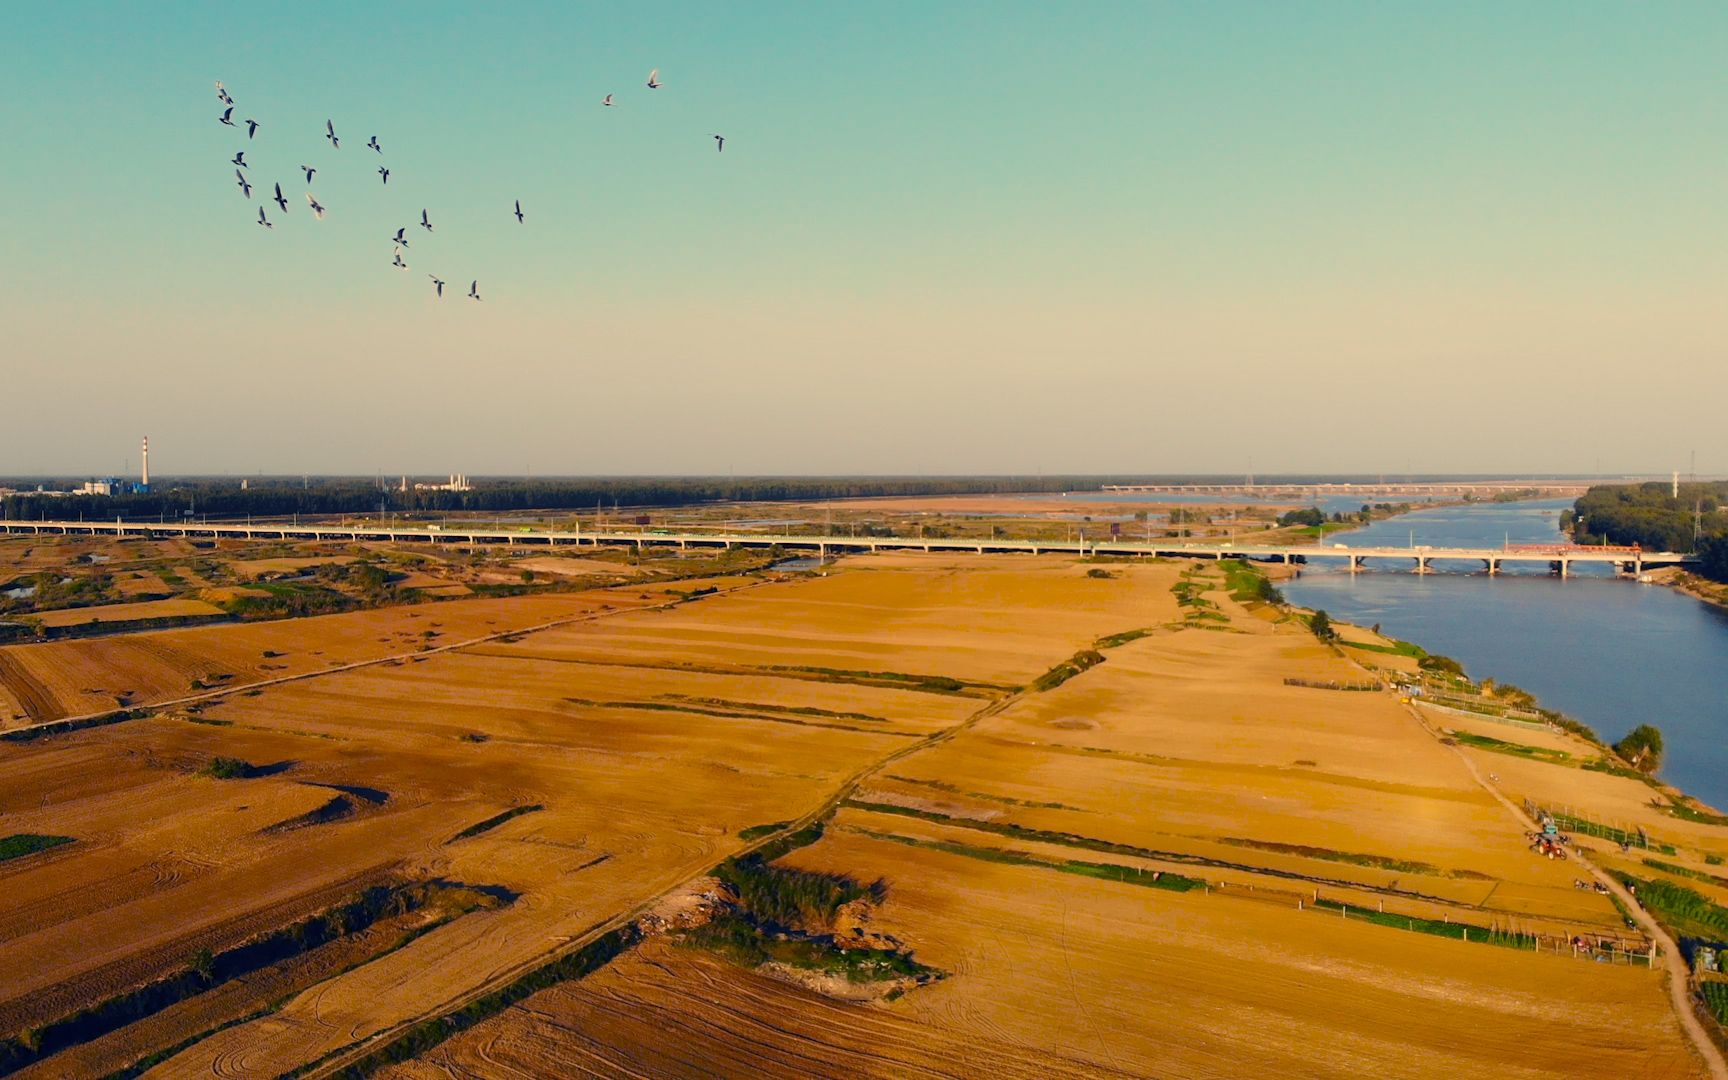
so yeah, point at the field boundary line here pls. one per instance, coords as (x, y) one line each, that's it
(121, 715)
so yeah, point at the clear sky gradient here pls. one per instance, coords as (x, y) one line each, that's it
(943, 237)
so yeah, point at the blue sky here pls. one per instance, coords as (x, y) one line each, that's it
(943, 237)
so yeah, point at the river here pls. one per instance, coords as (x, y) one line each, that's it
(1612, 653)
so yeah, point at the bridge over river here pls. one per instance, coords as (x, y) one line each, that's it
(1559, 558)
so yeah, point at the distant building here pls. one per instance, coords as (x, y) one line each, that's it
(107, 486)
(458, 482)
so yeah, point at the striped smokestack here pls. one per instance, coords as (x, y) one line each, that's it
(145, 480)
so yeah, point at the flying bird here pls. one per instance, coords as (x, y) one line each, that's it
(385, 173)
(240, 159)
(720, 144)
(436, 284)
(264, 221)
(222, 94)
(330, 133)
(245, 188)
(397, 261)
(474, 290)
(308, 170)
(373, 143)
(399, 238)
(654, 79)
(280, 201)
(317, 211)
(607, 100)
(518, 211)
(425, 222)
(251, 127)
(226, 114)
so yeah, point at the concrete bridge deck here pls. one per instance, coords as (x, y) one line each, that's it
(1559, 558)
(1452, 488)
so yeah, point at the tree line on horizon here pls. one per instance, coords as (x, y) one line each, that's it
(1652, 516)
(222, 497)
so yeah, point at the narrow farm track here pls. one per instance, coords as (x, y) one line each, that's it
(1675, 975)
(826, 808)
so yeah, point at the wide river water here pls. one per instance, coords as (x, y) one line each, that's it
(1612, 653)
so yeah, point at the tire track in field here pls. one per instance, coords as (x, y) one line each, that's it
(39, 702)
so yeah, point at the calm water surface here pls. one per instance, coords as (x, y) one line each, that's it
(1612, 653)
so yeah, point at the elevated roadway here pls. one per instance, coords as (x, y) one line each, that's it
(1559, 558)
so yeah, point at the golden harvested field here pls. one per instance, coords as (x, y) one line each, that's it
(1117, 835)
(74, 678)
(146, 609)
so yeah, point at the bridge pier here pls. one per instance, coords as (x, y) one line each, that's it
(1355, 564)
(1493, 565)
(1422, 565)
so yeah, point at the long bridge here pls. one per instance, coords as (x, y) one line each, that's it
(1558, 558)
(1437, 489)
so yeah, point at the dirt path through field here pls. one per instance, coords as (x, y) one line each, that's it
(599, 930)
(1678, 979)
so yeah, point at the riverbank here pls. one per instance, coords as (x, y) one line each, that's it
(1659, 856)
(1605, 650)
(1713, 593)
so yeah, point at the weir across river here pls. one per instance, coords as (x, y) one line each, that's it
(1559, 558)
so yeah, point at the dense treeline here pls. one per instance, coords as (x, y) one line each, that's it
(222, 497)
(1652, 516)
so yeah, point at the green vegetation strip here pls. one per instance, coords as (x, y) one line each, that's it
(1716, 999)
(951, 789)
(757, 832)
(19, 845)
(1397, 648)
(930, 684)
(1127, 875)
(757, 707)
(1113, 640)
(1082, 661)
(1378, 862)
(1687, 912)
(1044, 836)
(427, 1034)
(205, 970)
(1457, 931)
(1501, 746)
(1685, 871)
(726, 714)
(494, 821)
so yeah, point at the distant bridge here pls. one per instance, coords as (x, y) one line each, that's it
(1452, 488)
(1559, 558)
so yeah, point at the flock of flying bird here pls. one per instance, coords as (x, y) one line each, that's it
(400, 240)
